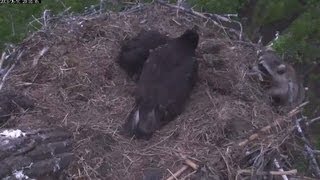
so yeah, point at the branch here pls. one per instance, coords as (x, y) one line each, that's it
(178, 173)
(5, 76)
(312, 121)
(268, 127)
(3, 57)
(102, 6)
(308, 149)
(41, 53)
(276, 163)
(208, 16)
(275, 173)
(188, 163)
(135, 8)
(45, 18)
(15, 57)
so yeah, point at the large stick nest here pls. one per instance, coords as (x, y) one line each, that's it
(78, 85)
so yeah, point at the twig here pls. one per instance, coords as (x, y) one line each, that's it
(14, 53)
(188, 175)
(2, 59)
(275, 173)
(102, 6)
(268, 127)
(41, 53)
(65, 11)
(156, 144)
(308, 149)
(188, 163)
(178, 173)
(316, 151)
(64, 6)
(298, 108)
(191, 164)
(302, 178)
(176, 21)
(274, 124)
(227, 19)
(31, 24)
(37, 20)
(312, 121)
(230, 15)
(206, 16)
(45, 20)
(276, 163)
(5, 76)
(134, 9)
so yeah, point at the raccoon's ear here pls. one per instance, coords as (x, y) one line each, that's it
(281, 69)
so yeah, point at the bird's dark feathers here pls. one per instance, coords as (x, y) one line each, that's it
(191, 37)
(166, 81)
(134, 52)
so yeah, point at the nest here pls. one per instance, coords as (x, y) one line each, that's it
(69, 70)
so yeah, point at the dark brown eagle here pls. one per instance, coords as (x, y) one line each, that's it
(167, 78)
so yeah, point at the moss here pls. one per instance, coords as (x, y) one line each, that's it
(317, 138)
(300, 163)
(218, 6)
(14, 19)
(269, 11)
(301, 40)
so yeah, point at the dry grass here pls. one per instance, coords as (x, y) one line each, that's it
(77, 84)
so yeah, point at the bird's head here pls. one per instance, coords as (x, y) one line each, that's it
(191, 36)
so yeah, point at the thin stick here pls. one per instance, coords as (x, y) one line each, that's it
(280, 173)
(192, 164)
(101, 6)
(188, 175)
(274, 124)
(2, 59)
(156, 144)
(41, 53)
(223, 18)
(195, 13)
(45, 18)
(312, 121)
(5, 76)
(189, 162)
(11, 68)
(64, 6)
(308, 149)
(37, 20)
(275, 173)
(275, 161)
(298, 108)
(267, 128)
(178, 173)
